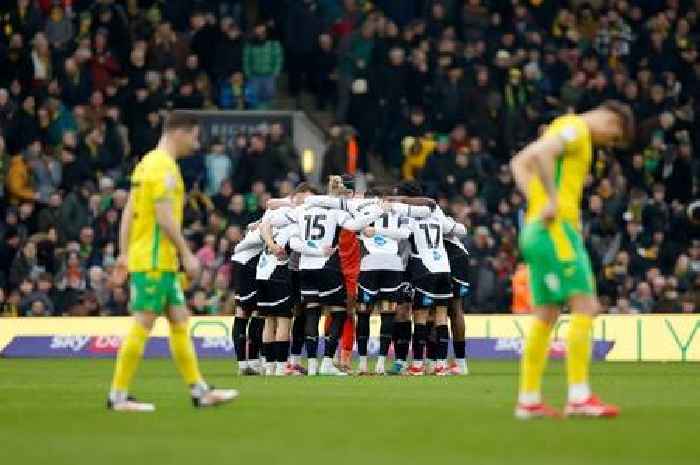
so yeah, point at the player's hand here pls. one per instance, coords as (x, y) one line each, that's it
(549, 212)
(120, 273)
(369, 231)
(192, 266)
(277, 250)
(328, 251)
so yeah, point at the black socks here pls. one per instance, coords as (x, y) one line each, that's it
(362, 333)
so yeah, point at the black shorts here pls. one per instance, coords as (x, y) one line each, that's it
(296, 290)
(244, 285)
(459, 266)
(275, 297)
(323, 287)
(431, 290)
(378, 285)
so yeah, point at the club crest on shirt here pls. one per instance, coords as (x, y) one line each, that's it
(170, 182)
(379, 240)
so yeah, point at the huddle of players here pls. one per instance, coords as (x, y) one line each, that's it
(288, 272)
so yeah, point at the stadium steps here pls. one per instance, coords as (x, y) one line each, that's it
(324, 119)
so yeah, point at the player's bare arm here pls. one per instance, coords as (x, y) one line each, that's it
(120, 273)
(266, 235)
(538, 159)
(274, 204)
(163, 209)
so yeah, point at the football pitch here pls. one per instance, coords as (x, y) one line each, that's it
(52, 412)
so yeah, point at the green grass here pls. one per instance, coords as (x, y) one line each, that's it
(53, 412)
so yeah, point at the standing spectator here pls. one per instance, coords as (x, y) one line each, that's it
(335, 158)
(262, 64)
(355, 57)
(284, 151)
(303, 28)
(218, 165)
(324, 72)
(229, 50)
(204, 35)
(258, 164)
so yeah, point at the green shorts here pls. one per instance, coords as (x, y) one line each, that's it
(155, 291)
(558, 262)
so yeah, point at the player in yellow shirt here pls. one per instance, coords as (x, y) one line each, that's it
(551, 171)
(150, 239)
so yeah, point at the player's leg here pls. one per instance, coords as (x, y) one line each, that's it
(333, 298)
(533, 363)
(297, 345)
(248, 332)
(364, 312)
(185, 358)
(255, 336)
(401, 334)
(128, 360)
(579, 289)
(147, 295)
(545, 285)
(368, 290)
(420, 319)
(456, 314)
(338, 314)
(581, 401)
(240, 340)
(387, 315)
(313, 317)
(282, 345)
(309, 289)
(430, 343)
(347, 338)
(269, 346)
(442, 337)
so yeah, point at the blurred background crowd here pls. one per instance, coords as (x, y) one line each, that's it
(438, 91)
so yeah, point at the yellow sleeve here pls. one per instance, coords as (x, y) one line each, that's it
(161, 181)
(571, 130)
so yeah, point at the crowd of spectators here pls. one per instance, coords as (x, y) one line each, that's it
(440, 91)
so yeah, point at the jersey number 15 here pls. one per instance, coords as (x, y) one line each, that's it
(315, 230)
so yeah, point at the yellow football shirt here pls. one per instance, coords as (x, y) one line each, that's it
(570, 172)
(156, 178)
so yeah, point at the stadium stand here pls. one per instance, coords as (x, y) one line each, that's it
(442, 91)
